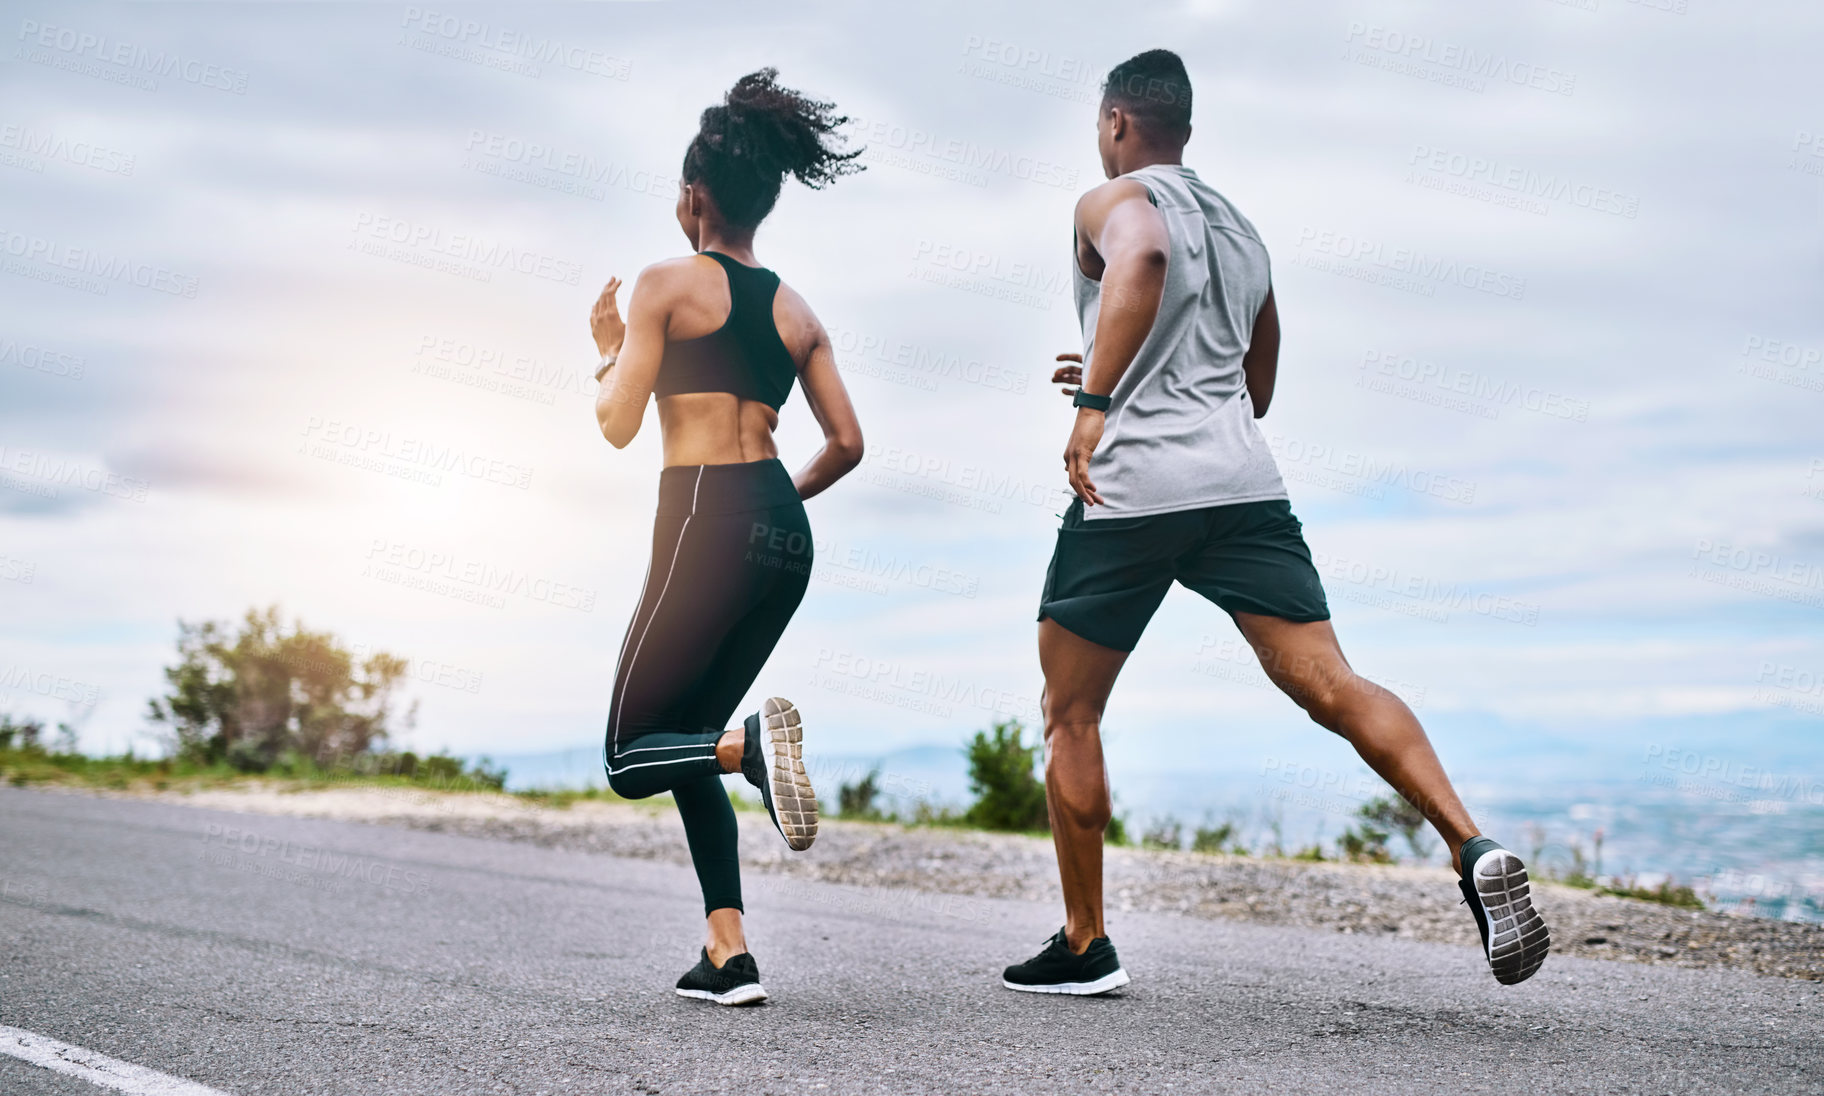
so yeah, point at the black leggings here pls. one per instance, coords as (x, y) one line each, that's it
(731, 556)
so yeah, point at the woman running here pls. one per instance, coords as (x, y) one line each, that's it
(719, 339)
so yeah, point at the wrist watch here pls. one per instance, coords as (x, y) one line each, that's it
(608, 361)
(1094, 403)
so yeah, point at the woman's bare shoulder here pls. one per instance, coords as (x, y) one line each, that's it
(797, 324)
(676, 277)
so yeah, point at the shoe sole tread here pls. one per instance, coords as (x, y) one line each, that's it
(1518, 939)
(794, 801)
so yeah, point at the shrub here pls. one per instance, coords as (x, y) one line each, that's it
(248, 697)
(1212, 838)
(488, 774)
(1366, 844)
(25, 734)
(247, 756)
(438, 770)
(857, 800)
(1164, 833)
(1667, 893)
(1003, 776)
(1391, 814)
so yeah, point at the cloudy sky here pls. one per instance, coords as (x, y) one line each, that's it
(295, 302)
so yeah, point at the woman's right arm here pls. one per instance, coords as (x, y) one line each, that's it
(620, 403)
(829, 401)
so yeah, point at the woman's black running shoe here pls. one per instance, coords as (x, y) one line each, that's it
(736, 982)
(1495, 887)
(1057, 969)
(772, 759)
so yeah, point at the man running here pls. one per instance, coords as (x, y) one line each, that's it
(1174, 482)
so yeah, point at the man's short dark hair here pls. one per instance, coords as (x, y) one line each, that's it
(1155, 91)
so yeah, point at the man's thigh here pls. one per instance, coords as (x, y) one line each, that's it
(1303, 658)
(1079, 674)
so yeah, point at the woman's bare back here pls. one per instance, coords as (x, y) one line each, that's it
(720, 427)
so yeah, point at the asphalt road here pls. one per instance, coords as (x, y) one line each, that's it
(257, 954)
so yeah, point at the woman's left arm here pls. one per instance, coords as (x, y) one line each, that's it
(620, 403)
(829, 401)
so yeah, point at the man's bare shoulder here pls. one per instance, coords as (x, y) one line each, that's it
(1095, 205)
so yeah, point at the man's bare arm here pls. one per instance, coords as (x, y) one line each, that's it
(1120, 222)
(1261, 365)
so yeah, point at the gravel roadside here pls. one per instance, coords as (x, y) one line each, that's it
(1420, 903)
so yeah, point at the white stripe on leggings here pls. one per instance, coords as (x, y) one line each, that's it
(625, 685)
(631, 621)
(710, 756)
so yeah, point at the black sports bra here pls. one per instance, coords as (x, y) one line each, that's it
(745, 356)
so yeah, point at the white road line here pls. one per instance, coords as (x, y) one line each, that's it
(97, 1069)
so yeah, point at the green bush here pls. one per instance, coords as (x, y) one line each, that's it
(1214, 838)
(1667, 893)
(1164, 833)
(857, 800)
(1003, 776)
(1391, 814)
(437, 770)
(26, 734)
(438, 767)
(247, 698)
(486, 773)
(1364, 844)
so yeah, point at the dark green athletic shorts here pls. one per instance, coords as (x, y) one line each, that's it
(1107, 577)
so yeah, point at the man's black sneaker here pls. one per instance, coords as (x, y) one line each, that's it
(736, 982)
(1059, 970)
(772, 759)
(1514, 937)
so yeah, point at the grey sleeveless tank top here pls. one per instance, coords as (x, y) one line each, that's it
(1180, 431)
